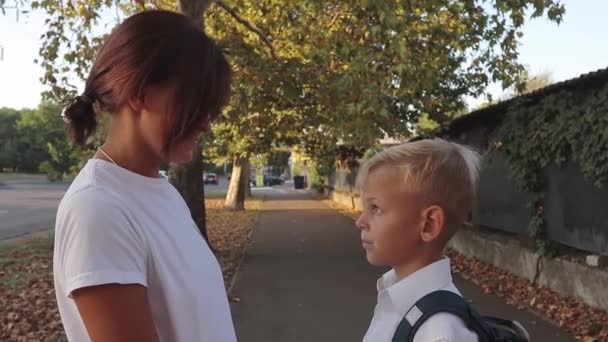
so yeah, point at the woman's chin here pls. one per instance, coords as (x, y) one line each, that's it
(184, 152)
(181, 159)
(182, 156)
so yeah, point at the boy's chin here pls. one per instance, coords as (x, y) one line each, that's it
(374, 261)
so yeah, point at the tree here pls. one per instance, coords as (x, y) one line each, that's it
(9, 138)
(531, 82)
(355, 71)
(536, 81)
(43, 134)
(279, 160)
(323, 72)
(23, 136)
(34, 141)
(187, 178)
(261, 115)
(400, 60)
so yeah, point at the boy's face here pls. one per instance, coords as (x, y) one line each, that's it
(392, 219)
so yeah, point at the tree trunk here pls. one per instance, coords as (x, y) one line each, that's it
(194, 9)
(187, 178)
(235, 198)
(249, 194)
(248, 183)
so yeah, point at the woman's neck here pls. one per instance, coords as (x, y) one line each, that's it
(130, 153)
(129, 161)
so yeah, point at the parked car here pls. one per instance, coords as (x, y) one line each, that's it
(252, 182)
(270, 180)
(210, 178)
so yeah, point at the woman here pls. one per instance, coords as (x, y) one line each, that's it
(129, 262)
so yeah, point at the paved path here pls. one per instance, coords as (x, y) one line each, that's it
(305, 278)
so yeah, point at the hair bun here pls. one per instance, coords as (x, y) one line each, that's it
(79, 117)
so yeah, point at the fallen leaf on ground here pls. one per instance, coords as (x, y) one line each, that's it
(27, 295)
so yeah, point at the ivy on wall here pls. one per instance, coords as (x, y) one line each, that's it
(571, 125)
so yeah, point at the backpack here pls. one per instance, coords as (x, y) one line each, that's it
(489, 329)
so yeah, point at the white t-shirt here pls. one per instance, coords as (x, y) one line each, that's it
(116, 226)
(396, 297)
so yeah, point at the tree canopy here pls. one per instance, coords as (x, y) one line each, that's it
(322, 73)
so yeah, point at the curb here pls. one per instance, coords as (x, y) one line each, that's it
(249, 242)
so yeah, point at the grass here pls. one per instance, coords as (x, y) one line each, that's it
(28, 177)
(215, 195)
(222, 196)
(9, 176)
(22, 262)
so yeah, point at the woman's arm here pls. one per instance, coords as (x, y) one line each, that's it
(116, 313)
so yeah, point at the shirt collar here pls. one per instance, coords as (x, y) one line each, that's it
(404, 293)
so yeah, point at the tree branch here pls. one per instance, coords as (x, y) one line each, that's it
(142, 4)
(247, 24)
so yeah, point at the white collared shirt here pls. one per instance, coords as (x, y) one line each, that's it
(395, 298)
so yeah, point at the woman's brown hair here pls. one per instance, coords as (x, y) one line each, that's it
(154, 48)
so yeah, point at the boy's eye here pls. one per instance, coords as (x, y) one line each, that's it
(376, 210)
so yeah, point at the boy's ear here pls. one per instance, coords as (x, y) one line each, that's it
(433, 223)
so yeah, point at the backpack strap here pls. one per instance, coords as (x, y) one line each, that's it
(435, 302)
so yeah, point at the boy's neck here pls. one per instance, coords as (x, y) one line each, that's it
(406, 269)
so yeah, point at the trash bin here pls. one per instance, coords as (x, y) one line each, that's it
(298, 182)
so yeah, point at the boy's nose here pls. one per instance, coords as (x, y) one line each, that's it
(360, 223)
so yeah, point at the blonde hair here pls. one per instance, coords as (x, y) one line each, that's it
(443, 172)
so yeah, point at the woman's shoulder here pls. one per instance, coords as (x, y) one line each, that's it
(89, 188)
(87, 194)
(87, 208)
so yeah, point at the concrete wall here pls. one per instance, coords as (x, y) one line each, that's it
(575, 210)
(584, 283)
(499, 203)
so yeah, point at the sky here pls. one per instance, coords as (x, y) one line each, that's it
(577, 46)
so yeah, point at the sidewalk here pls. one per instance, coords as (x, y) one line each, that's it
(305, 278)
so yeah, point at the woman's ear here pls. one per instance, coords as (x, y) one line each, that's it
(137, 104)
(433, 223)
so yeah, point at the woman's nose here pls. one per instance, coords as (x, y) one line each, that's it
(206, 127)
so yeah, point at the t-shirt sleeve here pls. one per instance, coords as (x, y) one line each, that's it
(97, 243)
(444, 327)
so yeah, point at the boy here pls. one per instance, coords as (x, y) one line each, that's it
(415, 196)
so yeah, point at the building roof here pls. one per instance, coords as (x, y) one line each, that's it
(495, 112)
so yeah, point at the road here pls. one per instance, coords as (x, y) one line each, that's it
(29, 206)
